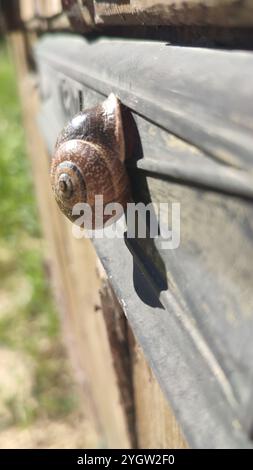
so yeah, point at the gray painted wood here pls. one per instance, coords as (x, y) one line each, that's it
(190, 308)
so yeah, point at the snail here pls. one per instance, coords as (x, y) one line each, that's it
(89, 158)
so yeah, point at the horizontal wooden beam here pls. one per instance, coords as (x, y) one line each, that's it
(189, 308)
(86, 15)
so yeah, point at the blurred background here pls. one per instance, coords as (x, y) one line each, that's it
(40, 404)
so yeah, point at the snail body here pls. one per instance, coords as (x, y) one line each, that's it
(89, 159)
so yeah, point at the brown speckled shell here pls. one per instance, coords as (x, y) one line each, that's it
(91, 152)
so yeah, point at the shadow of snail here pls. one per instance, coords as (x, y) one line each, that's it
(90, 160)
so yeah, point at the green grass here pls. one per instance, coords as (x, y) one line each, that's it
(30, 323)
(18, 211)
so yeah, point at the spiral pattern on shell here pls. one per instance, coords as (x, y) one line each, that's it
(89, 160)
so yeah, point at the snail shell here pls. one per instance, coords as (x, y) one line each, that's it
(89, 159)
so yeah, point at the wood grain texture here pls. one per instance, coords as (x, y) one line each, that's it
(210, 275)
(117, 329)
(170, 12)
(157, 427)
(190, 308)
(84, 15)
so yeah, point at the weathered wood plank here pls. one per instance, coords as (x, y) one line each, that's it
(117, 330)
(157, 427)
(170, 12)
(77, 276)
(216, 144)
(184, 305)
(77, 283)
(84, 15)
